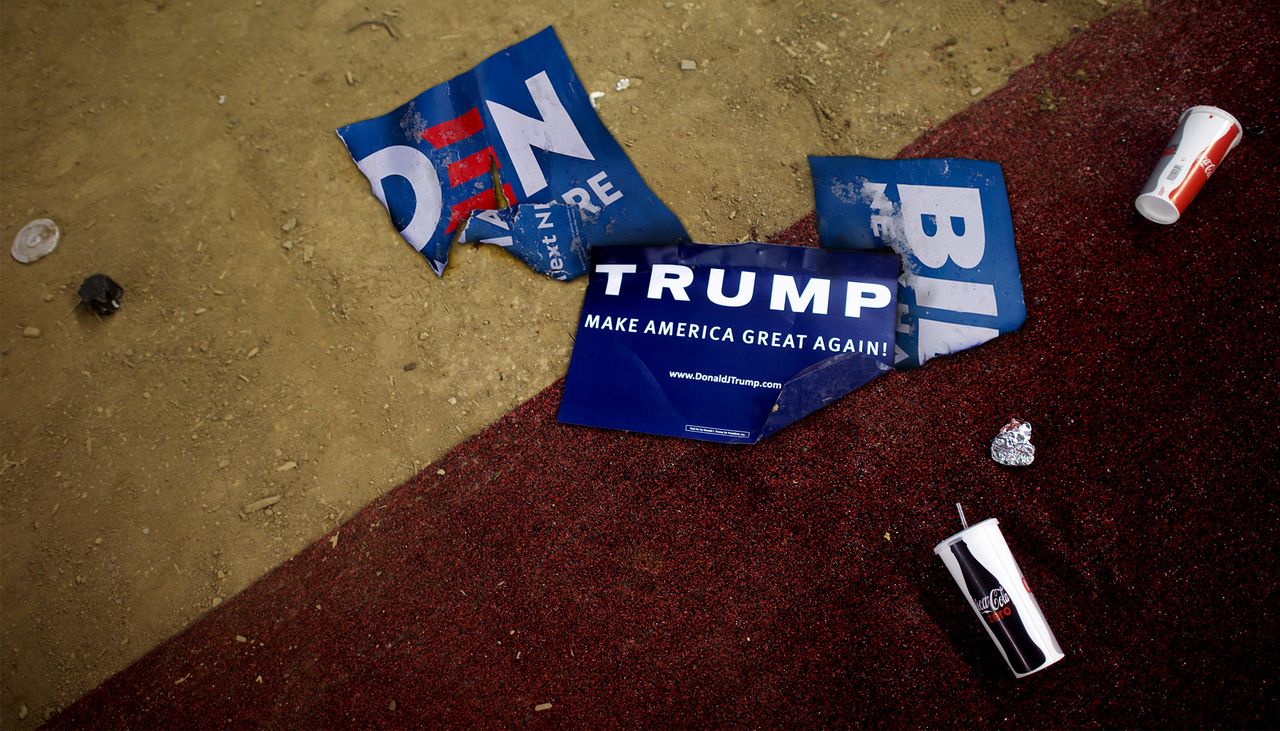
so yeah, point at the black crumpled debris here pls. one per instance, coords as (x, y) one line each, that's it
(101, 294)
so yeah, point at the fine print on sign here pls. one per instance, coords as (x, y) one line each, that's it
(726, 343)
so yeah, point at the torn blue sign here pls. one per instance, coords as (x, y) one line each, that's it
(949, 221)
(726, 343)
(519, 122)
(546, 236)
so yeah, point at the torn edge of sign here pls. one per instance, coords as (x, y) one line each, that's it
(855, 211)
(818, 385)
(545, 236)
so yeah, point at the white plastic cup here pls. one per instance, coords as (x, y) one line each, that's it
(980, 562)
(1204, 137)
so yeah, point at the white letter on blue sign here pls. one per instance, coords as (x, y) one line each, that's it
(879, 296)
(614, 272)
(413, 166)
(674, 277)
(946, 206)
(746, 288)
(947, 294)
(786, 295)
(960, 236)
(555, 132)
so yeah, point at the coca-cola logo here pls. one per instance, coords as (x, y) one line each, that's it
(1208, 166)
(993, 601)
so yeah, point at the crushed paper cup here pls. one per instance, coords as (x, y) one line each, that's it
(1204, 137)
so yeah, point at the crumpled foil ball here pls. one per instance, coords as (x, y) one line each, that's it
(1012, 447)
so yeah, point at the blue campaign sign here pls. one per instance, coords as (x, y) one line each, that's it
(520, 123)
(726, 343)
(546, 236)
(949, 221)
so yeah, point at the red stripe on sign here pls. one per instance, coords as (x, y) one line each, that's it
(482, 201)
(472, 166)
(447, 133)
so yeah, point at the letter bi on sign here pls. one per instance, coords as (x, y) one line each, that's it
(523, 113)
(949, 221)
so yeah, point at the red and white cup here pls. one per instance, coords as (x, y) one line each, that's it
(1205, 135)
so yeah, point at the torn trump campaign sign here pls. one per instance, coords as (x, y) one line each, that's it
(949, 221)
(726, 343)
(518, 128)
(546, 236)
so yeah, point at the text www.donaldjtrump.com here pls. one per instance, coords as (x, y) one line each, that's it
(723, 378)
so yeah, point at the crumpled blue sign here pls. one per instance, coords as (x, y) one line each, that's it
(949, 221)
(726, 343)
(546, 236)
(521, 123)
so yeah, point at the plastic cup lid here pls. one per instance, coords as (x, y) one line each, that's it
(946, 542)
(36, 239)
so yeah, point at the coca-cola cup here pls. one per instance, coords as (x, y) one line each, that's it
(1204, 137)
(980, 561)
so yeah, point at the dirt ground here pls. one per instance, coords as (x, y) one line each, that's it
(174, 141)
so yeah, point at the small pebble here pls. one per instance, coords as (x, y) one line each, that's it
(975, 91)
(453, 401)
(688, 64)
(440, 471)
(241, 638)
(411, 365)
(423, 335)
(30, 332)
(265, 502)
(289, 225)
(542, 707)
(391, 706)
